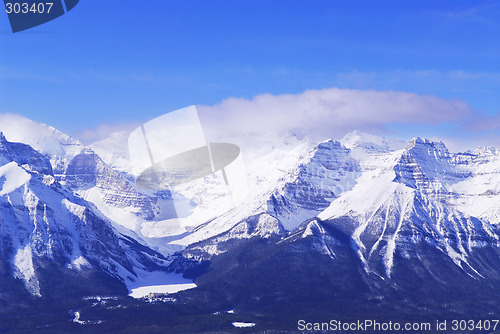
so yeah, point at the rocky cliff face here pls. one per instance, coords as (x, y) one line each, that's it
(88, 175)
(328, 172)
(24, 155)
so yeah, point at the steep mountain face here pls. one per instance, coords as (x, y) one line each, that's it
(311, 188)
(428, 166)
(24, 155)
(48, 233)
(90, 177)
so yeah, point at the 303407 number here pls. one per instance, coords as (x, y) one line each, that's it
(25, 8)
(471, 325)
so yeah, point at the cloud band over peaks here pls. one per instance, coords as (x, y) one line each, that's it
(330, 113)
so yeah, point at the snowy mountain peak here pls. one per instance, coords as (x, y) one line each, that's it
(426, 164)
(114, 151)
(371, 143)
(426, 153)
(429, 144)
(489, 151)
(331, 143)
(328, 171)
(47, 140)
(24, 155)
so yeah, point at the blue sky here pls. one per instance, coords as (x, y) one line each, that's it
(121, 62)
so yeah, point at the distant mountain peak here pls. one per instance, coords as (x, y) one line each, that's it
(43, 138)
(24, 154)
(436, 145)
(371, 142)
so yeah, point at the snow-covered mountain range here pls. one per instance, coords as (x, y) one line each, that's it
(384, 210)
(46, 228)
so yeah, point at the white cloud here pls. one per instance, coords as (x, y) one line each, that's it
(329, 113)
(332, 113)
(103, 131)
